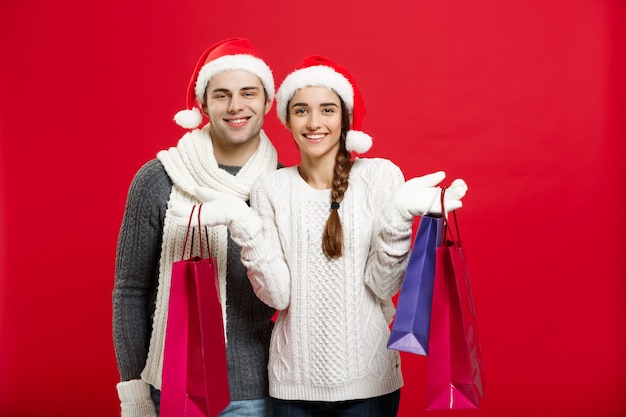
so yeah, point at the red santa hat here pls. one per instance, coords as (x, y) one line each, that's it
(318, 71)
(227, 55)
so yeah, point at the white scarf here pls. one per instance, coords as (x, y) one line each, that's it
(189, 165)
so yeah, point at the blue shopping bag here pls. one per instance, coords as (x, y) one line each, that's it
(411, 326)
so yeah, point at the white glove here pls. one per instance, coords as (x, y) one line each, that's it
(135, 399)
(419, 196)
(452, 198)
(180, 213)
(219, 208)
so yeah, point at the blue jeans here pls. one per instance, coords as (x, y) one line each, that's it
(249, 408)
(245, 408)
(383, 406)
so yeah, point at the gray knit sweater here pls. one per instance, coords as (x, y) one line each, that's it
(249, 321)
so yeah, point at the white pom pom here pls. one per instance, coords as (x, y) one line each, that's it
(189, 119)
(358, 142)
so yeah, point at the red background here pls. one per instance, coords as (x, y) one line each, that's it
(523, 99)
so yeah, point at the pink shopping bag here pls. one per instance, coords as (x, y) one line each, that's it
(455, 373)
(195, 373)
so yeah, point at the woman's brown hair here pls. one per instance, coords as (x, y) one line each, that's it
(332, 239)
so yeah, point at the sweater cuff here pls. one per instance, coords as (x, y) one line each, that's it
(244, 229)
(397, 219)
(247, 233)
(135, 399)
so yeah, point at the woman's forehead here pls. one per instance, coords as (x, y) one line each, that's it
(315, 93)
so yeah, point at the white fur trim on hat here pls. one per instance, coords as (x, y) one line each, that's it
(243, 62)
(357, 141)
(315, 76)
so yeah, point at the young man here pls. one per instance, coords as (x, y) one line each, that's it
(234, 89)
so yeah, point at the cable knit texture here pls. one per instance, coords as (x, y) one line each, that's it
(150, 242)
(135, 399)
(329, 343)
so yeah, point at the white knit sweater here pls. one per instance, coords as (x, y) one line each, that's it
(329, 342)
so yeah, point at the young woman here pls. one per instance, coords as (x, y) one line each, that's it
(327, 244)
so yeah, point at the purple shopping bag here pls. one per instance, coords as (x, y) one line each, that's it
(411, 326)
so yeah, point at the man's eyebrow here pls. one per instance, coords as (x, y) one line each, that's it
(220, 90)
(226, 90)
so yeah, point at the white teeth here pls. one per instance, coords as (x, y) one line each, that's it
(318, 136)
(237, 121)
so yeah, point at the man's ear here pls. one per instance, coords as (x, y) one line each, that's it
(204, 111)
(268, 106)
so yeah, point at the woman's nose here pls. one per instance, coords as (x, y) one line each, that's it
(313, 122)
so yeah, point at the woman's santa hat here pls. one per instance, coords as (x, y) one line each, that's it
(227, 55)
(318, 71)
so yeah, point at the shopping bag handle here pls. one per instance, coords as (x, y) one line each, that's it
(200, 230)
(199, 234)
(446, 225)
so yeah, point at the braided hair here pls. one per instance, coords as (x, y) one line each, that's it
(332, 239)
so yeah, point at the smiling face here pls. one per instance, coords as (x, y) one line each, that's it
(314, 116)
(236, 105)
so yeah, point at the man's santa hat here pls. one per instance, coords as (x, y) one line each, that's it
(227, 55)
(318, 71)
